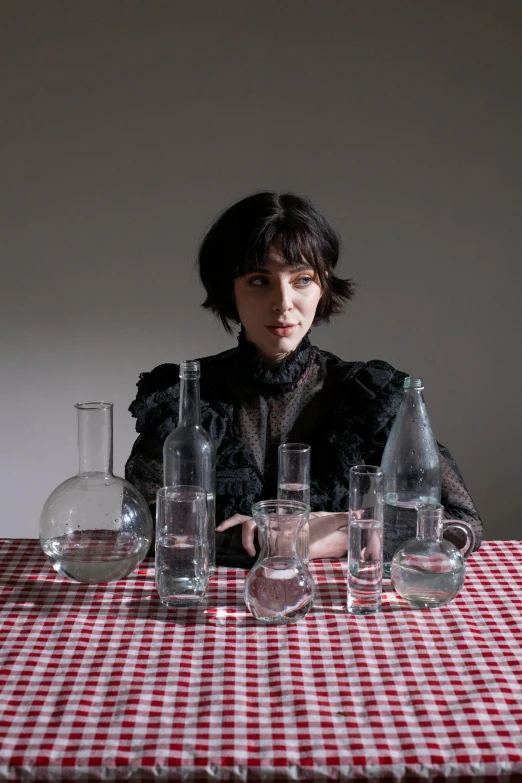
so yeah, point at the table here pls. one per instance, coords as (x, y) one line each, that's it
(104, 683)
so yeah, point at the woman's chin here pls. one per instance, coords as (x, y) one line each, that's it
(283, 345)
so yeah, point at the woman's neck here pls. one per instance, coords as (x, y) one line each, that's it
(273, 362)
(269, 361)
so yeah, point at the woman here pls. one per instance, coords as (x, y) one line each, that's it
(268, 264)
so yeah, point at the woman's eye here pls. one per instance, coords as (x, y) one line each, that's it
(304, 281)
(258, 281)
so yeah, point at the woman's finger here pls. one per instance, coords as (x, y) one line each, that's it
(236, 519)
(247, 536)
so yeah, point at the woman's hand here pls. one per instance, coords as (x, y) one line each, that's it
(247, 535)
(328, 533)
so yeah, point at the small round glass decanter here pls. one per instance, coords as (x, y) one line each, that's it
(428, 571)
(279, 587)
(95, 527)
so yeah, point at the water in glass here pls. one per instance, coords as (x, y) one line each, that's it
(301, 493)
(365, 566)
(180, 570)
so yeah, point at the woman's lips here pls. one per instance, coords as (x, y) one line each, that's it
(283, 330)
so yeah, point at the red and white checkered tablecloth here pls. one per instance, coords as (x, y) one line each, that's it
(104, 683)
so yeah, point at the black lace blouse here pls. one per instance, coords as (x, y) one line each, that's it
(344, 410)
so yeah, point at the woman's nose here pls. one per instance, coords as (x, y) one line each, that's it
(282, 301)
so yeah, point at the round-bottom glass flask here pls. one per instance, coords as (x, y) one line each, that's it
(95, 527)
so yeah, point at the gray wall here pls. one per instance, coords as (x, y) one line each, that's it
(127, 126)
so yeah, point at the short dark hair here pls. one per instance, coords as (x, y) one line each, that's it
(240, 239)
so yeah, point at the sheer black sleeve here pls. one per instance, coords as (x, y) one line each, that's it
(457, 501)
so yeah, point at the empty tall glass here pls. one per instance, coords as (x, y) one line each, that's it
(182, 567)
(365, 515)
(293, 483)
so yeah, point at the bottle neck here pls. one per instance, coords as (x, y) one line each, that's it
(430, 522)
(189, 407)
(413, 391)
(94, 437)
(414, 396)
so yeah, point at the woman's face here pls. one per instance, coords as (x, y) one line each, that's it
(276, 304)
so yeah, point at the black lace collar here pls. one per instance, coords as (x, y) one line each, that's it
(285, 377)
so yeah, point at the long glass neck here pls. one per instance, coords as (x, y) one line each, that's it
(430, 522)
(189, 407)
(94, 437)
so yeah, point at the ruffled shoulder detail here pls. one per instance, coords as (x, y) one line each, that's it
(156, 406)
(157, 390)
(368, 397)
(156, 409)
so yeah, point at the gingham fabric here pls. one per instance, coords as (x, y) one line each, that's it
(104, 683)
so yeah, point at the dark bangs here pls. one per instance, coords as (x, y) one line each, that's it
(298, 243)
(240, 240)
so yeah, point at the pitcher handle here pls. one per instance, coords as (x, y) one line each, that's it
(468, 532)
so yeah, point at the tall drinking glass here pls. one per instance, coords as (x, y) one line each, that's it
(293, 483)
(365, 515)
(182, 566)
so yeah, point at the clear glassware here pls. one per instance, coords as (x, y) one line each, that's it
(95, 527)
(429, 571)
(365, 515)
(293, 483)
(412, 470)
(189, 453)
(279, 587)
(181, 545)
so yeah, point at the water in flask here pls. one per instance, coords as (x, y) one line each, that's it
(427, 582)
(95, 556)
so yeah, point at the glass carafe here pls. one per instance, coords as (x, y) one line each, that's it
(95, 527)
(279, 587)
(428, 571)
(412, 470)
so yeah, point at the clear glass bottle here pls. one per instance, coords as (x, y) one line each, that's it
(95, 527)
(429, 571)
(189, 453)
(412, 470)
(279, 587)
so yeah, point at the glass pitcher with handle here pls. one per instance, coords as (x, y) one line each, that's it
(428, 571)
